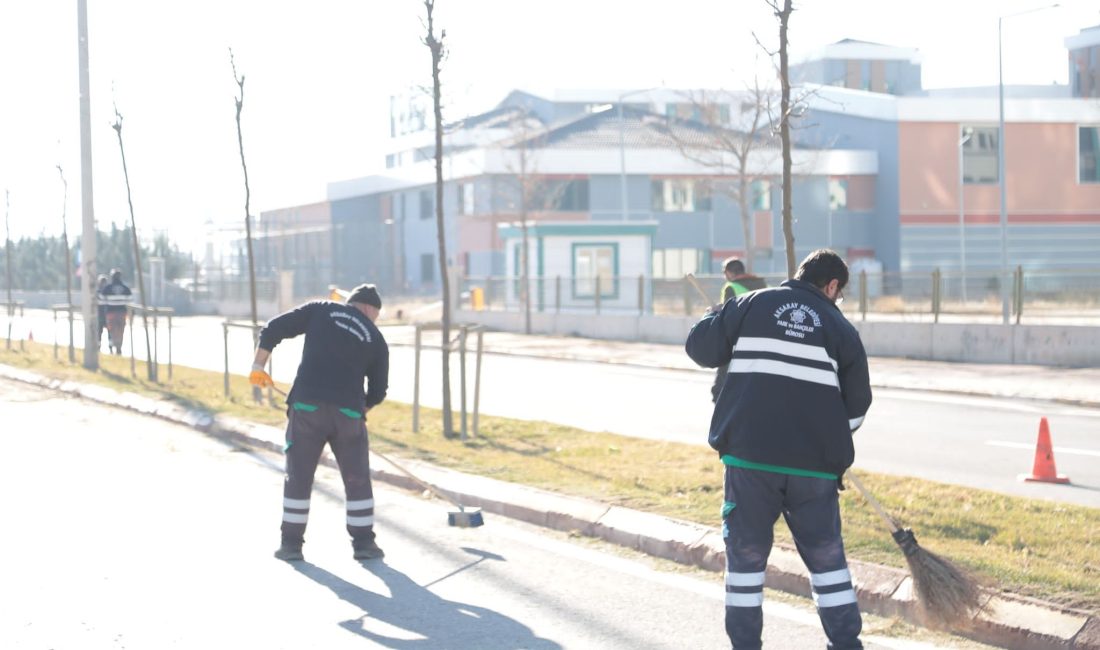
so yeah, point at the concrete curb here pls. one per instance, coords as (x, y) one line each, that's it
(1006, 620)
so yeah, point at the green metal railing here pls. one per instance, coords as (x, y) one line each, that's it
(1067, 296)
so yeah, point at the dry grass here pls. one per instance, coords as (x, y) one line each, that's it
(1029, 547)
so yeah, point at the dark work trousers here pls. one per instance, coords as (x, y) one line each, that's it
(754, 501)
(309, 428)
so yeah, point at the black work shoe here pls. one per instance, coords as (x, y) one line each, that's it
(367, 550)
(289, 553)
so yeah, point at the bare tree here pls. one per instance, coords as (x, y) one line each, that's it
(731, 147)
(239, 100)
(534, 194)
(438, 51)
(784, 15)
(68, 261)
(150, 365)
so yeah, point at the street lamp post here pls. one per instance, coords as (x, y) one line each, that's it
(1003, 280)
(622, 152)
(967, 132)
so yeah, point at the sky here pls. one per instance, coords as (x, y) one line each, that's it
(319, 74)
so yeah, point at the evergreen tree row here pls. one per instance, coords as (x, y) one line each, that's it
(38, 264)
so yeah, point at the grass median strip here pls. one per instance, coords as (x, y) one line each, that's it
(1029, 547)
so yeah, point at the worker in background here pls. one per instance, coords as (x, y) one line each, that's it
(738, 282)
(327, 404)
(798, 388)
(115, 297)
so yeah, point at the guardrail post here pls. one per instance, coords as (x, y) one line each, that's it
(156, 348)
(863, 294)
(687, 298)
(1019, 292)
(477, 376)
(169, 346)
(55, 333)
(936, 282)
(598, 292)
(225, 339)
(416, 380)
(462, 331)
(641, 294)
(72, 345)
(557, 294)
(133, 365)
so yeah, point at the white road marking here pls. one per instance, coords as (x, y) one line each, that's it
(1037, 406)
(1057, 450)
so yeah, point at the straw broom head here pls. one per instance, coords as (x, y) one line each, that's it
(949, 596)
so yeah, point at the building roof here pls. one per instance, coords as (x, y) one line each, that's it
(1088, 37)
(637, 129)
(863, 50)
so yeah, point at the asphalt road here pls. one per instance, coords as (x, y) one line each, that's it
(974, 441)
(125, 531)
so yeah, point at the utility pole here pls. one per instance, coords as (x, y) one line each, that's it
(87, 238)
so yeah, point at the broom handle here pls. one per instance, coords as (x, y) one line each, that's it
(404, 471)
(690, 277)
(426, 486)
(874, 502)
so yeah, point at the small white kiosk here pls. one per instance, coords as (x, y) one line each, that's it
(575, 265)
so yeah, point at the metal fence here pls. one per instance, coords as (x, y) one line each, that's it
(1068, 297)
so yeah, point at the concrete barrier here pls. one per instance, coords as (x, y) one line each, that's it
(1049, 345)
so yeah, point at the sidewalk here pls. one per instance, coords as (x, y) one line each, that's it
(1077, 386)
(1006, 620)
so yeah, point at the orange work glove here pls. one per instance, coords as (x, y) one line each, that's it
(259, 377)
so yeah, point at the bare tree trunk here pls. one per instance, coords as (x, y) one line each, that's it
(68, 262)
(256, 393)
(745, 204)
(149, 364)
(525, 251)
(435, 45)
(784, 16)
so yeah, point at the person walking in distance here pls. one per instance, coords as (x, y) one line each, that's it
(798, 388)
(326, 404)
(116, 296)
(738, 282)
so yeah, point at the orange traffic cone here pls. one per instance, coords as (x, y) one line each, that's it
(1044, 470)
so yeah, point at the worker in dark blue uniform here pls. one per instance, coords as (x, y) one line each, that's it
(327, 404)
(797, 389)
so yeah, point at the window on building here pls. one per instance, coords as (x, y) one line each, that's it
(1088, 154)
(591, 261)
(680, 195)
(980, 154)
(761, 195)
(838, 193)
(465, 198)
(675, 263)
(427, 205)
(566, 195)
(427, 268)
(575, 195)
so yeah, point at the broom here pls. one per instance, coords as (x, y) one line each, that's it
(464, 517)
(948, 594)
